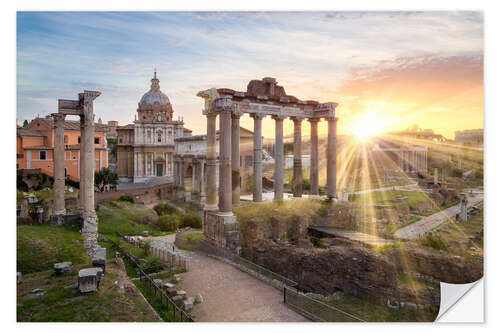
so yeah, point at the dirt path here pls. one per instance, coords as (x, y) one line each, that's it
(230, 295)
(430, 222)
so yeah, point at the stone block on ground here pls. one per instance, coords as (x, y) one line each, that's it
(89, 279)
(167, 285)
(177, 300)
(36, 293)
(171, 291)
(99, 258)
(181, 293)
(63, 268)
(198, 298)
(187, 305)
(176, 279)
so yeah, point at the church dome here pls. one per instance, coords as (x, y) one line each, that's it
(154, 95)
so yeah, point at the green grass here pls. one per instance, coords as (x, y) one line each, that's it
(39, 247)
(194, 237)
(374, 311)
(412, 198)
(107, 304)
(124, 217)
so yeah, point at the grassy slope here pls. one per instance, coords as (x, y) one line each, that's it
(109, 303)
(125, 219)
(40, 247)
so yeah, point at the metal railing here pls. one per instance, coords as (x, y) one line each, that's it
(264, 271)
(302, 303)
(158, 292)
(319, 311)
(178, 313)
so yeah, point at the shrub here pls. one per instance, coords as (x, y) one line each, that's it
(126, 197)
(72, 183)
(306, 184)
(435, 242)
(168, 222)
(316, 242)
(152, 264)
(165, 209)
(147, 247)
(190, 220)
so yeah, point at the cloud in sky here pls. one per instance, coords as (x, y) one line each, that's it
(314, 55)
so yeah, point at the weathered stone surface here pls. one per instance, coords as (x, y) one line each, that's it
(99, 258)
(329, 270)
(171, 291)
(198, 298)
(88, 279)
(36, 293)
(176, 279)
(158, 282)
(167, 285)
(177, 300)
(62, 268)
(436, 264)
(188, 304)
(181, 293)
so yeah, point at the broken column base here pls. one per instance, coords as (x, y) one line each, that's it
(89, 232)
(221, 230)
(89, 279)
(99, 258)
(57, 220)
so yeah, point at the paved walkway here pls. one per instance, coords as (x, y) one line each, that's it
(430, 222)
(229, 295)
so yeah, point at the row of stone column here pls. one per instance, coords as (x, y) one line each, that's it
(197, 178)
(86, 167)
(229, 163)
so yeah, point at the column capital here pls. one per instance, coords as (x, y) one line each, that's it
(236, 114)
(258, 116)
(314, 120)
(278, 117)
(332, 118)
(223, 104)
(297, 118)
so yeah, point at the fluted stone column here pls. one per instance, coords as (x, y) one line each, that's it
(202, 181)
(225, 192)
(89, 229)
(331, 155)
(235, 157)
(297, 157)
(257, 156)
(83, 142)
(59, 179)
(278, 158)
(313, 176)
(211, 201)
(181, 173)
(193, 177)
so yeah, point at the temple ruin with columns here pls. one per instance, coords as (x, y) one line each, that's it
(263, 98)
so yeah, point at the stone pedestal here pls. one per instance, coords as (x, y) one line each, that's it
(89, 279)
(221, 229)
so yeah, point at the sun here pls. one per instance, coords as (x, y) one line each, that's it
(366, 126)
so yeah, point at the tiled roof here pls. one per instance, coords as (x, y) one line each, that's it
(28, 132)
(71, 125)
(125, 127)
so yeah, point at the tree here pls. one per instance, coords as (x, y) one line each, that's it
(25, 124)
(104, 177)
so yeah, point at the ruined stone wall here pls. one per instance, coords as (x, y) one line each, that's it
(145, 195)
(351, 269)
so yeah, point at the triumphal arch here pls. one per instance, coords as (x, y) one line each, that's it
(263, 98)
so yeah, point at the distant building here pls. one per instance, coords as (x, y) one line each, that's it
(192, 150)
(111, 129)
(145, 148)
(472, 136)
(418, 133)
(35, 147)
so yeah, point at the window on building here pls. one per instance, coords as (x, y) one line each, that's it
(43, 155)
(241, 159)
(149, 136)
(96, 140)
(65, 172)
(66, 139)
(248, 160)
(78, 139)
(159, 136)
(121, 140)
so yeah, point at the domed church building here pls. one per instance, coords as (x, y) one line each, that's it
(145, 148)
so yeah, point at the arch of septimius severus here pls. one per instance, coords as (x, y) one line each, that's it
(263, 98)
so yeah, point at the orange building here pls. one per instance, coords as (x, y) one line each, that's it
(35, 147)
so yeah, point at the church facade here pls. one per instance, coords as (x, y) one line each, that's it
(145, 148)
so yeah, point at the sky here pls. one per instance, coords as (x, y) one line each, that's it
(388, 70)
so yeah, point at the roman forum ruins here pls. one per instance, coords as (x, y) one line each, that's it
(84, 108)
(263, 98)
